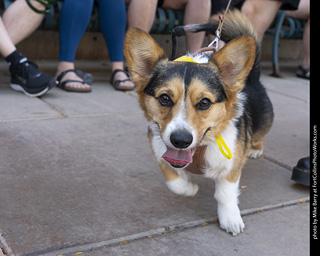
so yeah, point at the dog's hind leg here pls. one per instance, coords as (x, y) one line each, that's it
(177, 181)
(256, 149)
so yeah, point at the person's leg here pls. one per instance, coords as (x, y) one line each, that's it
(113, 26)
(6, 45)
(303, 12)
(34, 82)
(306, 48)
(141, 13)
(20, 20)
(74, 18)
(260, 14)
(195, 12)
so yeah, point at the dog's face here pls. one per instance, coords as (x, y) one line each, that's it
(189, 102)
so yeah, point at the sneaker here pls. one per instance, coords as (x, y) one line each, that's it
(26, 78)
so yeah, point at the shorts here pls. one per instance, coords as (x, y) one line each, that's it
(220, 5)
(160, 3)
(289, 5)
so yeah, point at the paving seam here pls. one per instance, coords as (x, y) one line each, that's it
(55, 108)
(28, 119)
(65, 117)
(5, 246)
(286, 95)
(275, 161)
(78, 249)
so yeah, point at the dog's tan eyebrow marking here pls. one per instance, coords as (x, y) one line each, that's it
(186, 71)
(162, 74)
(207, 76)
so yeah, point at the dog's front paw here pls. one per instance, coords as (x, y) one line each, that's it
(183, 187)
(230, 219)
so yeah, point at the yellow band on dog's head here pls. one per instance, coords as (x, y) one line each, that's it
(185, 59)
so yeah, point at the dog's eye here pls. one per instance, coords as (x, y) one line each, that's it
(165, 100)
(204, 104)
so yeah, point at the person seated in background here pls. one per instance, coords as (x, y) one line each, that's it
(74, 19)
(141, 15)
(17, 23)
(303, 13)
(262, 13)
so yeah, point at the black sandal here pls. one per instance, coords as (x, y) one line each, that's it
(303, 72)
(86, 79)
(116, 84)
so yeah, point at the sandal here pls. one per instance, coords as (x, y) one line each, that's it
(86, 79)
(116, 84)
(303, 72)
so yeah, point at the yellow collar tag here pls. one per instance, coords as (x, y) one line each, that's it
(222, 144)
(185, 59)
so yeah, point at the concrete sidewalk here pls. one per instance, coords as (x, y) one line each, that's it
(77, 177)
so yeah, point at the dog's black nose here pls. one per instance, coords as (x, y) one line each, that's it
(181, 139)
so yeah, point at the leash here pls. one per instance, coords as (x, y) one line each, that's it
(219, 29)
(179, 31)
(224, 149)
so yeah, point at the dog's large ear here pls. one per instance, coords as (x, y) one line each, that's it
(142, 53)
(235, 61)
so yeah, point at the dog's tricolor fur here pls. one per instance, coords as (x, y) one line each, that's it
(188, 105)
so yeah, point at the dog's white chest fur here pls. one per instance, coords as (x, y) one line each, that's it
(217, 165)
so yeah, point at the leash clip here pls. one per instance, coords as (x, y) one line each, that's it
(216, 40)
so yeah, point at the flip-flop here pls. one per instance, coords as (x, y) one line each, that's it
(116, 84)
(303, 72)
(86, 77)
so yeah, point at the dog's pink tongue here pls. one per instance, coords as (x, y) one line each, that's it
(178, 157)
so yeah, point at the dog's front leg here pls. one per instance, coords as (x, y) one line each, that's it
(177, 180)
(228, 211)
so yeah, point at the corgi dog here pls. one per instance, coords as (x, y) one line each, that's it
(205, 118)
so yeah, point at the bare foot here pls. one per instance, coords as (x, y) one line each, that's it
(73, 84)
(77, 84)
(127, 84)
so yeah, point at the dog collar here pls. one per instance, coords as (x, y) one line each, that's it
(222, 145)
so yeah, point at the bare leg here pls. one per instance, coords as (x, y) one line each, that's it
(303, 12)
(27, 21)
(195, 41)
(195, 12)
(141, 13)
(6, 45)
(261, 14)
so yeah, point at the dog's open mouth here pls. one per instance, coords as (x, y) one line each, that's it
(178, 158)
